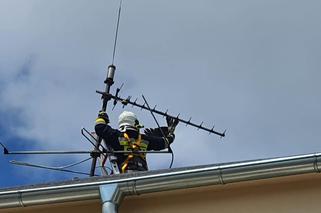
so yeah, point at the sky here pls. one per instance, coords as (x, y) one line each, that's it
(251, 67)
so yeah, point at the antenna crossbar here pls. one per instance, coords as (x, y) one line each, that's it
(154, 110)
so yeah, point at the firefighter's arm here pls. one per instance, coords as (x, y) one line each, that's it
(103, 130)
(162, 136)
(156, 138)
(157, 143)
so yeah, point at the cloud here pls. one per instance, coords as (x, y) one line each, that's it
(250, 67)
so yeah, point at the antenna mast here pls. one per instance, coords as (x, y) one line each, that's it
(109, 82)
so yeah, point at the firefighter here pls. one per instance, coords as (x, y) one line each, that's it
(128, 138)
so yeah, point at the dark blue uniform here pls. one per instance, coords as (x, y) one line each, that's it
(130, 141)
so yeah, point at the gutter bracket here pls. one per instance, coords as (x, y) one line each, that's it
(220, 176)
(316, 164)
(111, 197)
(20, 199)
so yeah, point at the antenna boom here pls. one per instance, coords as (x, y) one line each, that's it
(154, 110)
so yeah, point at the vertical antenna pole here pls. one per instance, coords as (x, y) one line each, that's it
(109, 82)
(116, 32)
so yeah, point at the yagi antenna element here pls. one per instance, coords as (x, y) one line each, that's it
(127, 101)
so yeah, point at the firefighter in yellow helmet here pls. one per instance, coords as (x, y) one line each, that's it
(128, 138)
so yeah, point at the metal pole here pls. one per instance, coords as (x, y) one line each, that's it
(109, 82)
(46, 152)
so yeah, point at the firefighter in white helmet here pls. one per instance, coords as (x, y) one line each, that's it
(129, 138)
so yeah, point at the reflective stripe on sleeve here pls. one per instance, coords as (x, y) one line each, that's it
(100, 121)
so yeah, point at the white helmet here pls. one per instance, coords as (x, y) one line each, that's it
(128, 120)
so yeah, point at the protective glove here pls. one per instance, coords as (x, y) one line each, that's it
(102, 118)
(170, 138)
(171, 123)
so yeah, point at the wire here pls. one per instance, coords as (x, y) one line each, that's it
(54, 167)
(169, 147)
(116, 32)
(155, 119)
(172, 161)
(73, 164)
(48, 168)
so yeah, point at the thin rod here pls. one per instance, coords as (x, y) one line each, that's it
(46, 152)
(79, 152)
(97, 143)
(165, 138)
(116, 32)
(151, 112)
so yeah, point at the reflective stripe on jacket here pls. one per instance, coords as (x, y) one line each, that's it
(134, 161)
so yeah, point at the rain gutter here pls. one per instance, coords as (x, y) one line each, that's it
(112, 192)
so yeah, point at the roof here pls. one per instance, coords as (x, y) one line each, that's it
(160, 180)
